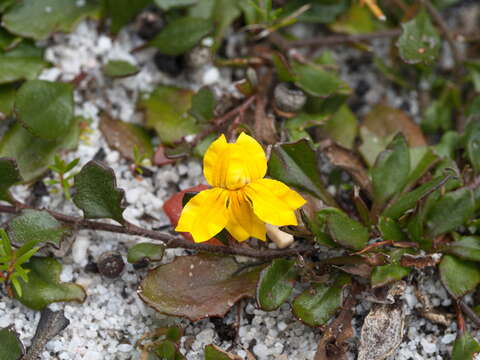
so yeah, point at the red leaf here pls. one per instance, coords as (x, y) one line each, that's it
(173, 208)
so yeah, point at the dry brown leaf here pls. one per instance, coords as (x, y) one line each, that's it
(348, 161)
(383, 327)
(384, 120)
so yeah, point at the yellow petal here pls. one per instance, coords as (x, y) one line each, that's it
(205, 215)
(242, 222)
(232, 166)
(274, 202)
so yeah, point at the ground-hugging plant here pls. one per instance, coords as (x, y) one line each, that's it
(385, 197)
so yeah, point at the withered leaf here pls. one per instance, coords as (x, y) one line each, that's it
(382, 330)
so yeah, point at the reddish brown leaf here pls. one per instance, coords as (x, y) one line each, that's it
(384, 120)
(173, 208)
(123, 137)
(198, 286)
(418, 262)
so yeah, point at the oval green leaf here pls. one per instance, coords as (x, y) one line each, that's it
(9, 175)
(44, 286)
(181, 35)
(459, 276)
(316, 305)
(38, 226)
(420, 41)
(45, 108)
(276, 284)
(11, 348)
(140, 252)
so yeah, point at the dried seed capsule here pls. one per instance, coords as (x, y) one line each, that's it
(198, 57)
(289, 98)
(110, 264)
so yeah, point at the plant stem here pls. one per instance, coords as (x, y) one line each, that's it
(467, 310)
(171, 241)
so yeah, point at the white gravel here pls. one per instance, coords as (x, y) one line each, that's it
(113, 317)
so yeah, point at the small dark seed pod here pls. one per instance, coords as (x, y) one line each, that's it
(198, 57)
(110, 264)
(289, 98)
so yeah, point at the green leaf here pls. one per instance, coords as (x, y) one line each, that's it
(174, 334)
(37, 225)
(467, 248)
(169, 4)
(166, 110)
(11, 348)
(37, 19)
(34, 154)
(322, 12)
(342, 127)
(119, 69)
(385, 274)
(181, 35)
(297, 125)
(391, 170)
(437, 116)
(459, 276)
(45, 108)
(421, 160)
(344, 230)
(142, 251)
(44, 286)
(449, 212)
(420, 41)
(124, 137)
(448, 145)
(316, 305)
(198, 286)
(409, 200)
(471, 143)
(390, 230)
(9, 175)
(96, 192)
(16, 68)
(123, 11)
(296, 165)
(316, 81)
(276, 284)
(465, 347)
(7, 100)
(372, 145)
(166, 350)
(213, 352)
(358, 19)
(203, 105)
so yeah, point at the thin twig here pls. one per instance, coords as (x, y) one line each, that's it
(238, 110)
(171, 241)
(333, 39)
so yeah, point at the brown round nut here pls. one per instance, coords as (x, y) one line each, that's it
(110, 264)
(289, 98)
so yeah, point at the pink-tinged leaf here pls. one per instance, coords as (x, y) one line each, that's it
(198, 286)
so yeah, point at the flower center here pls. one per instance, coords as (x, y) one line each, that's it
(236, 180)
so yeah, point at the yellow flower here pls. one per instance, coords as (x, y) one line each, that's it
(240, 199)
